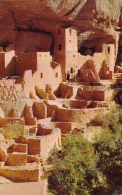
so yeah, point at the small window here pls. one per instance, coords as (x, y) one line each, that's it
(71, 70)
(59, 32)
(70, 32)
(41, 75)
(56, 74)
(108, 50)
(59, 47)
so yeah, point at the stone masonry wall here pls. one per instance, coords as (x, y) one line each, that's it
(21, 175)
(39, 110)
(21, 159)
(79, 115)
(50, 142)
(34, 146)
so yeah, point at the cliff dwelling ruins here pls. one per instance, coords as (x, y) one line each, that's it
(48, 93)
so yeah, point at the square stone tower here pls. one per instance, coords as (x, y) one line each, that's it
(65, 50)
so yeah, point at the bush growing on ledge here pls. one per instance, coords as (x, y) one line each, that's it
(108, 147)
(75, 171)
(111, 120)
(83, 168)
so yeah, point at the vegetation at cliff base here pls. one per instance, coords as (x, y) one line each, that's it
(75, 167)
(84, 168)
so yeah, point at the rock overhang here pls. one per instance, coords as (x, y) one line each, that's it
(45, 17)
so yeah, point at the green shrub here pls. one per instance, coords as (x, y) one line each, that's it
(83, 168)
(108, 147)
(111, 120)
(75, 171)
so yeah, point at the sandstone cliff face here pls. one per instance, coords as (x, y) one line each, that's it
(21, 22)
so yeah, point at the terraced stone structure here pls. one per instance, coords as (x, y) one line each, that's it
(38, 105)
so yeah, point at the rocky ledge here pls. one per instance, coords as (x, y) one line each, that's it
(21, 21)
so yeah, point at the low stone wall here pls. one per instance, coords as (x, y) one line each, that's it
(21, 157)
(96, 95)
(42, 144)
(33, 131)
(66, 127)
(100, 104)
(28, 114)
(39, 110)
(16, 159)
(71, 103)
(51, 110)
(30, 121)
(65, 91)
(49, 142)
(79, 115)
(43, 130)
(21, 174)
(34, 146)
(41, 93)
(32, 158)
(22, 148)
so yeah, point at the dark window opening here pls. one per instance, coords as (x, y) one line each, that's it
(41, 75)
(86, 51)
(71, 70)
(78, 72)
(56, 75)
(59, 32)
(70, 32)
(59, 47)
(108, 50)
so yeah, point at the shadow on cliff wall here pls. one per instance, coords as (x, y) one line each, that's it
(10, 68)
